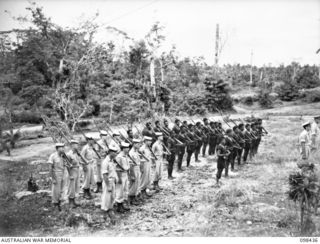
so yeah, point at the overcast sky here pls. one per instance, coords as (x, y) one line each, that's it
(277, 32)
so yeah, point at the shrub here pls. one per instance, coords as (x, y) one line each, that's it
(288, 91)
(264, 99)
(248, 101)
(27, 116)
(217, 95)
(311, 96)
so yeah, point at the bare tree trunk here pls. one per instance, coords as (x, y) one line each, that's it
(110, 119)
(162, 72)
(216, 55)
(251, 80)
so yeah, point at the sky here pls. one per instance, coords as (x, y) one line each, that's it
(266, 31)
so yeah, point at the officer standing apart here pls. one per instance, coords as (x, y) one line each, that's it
(315, 133)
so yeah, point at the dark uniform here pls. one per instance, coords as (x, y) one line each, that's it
(229, 147)
(191, 146)
(147, 131)
(212, 138)
(247, 144)
(171, 145)
(221, 162)
(181, 148)
(199, 141)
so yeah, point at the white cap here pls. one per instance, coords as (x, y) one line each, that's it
(113, 148)
(136, 140)
(306, 123)
(74, 142)
(124, 144)
(147, 138)
(158, 133)
(59, 144)
(116, 133)
(103, 133)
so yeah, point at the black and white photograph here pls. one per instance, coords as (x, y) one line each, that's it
(158, 118)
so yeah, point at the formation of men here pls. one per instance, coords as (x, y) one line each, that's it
(128, 169)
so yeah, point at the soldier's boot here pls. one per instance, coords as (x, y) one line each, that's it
(56, 206)
(59, 206)
(226, 173)
(87, 194)
(155, 186)
(112, 216)
(72, 203)
(125, 205)
(98, 188)
(133, 201)
(120, 208)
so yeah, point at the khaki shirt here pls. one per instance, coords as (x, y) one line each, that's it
(123, 160)
(146, 152)
(57, 162)
(89, 154)
(157, 149)
(108, 167)
(305, 137)
(135, 156)
(315, 131)
(75, 159)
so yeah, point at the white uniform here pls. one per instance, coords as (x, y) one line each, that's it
(315, 132)
(305, 137)
(74, 180)
(108, 188)
(145, 168)
(157, 149)
(134, 174)
(121, 188)
(91, 157)
(59, 170)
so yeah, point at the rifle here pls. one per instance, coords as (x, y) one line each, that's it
(101, 148)
(152, 152)
(132, 159)
(67, 162)
(86, 138)
(125, 138)
(84, 162)
(114, 160)
(168, 134)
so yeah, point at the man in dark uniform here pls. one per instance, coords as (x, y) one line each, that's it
(181, 148)
(242, 141)
(220, 131)
(222, 154)
(171, 145)
(191, 146)
(229, 147)
(212, 138)
(199, 134)
(237, 147)
(147, 131)
(247, 144)
(176, 127)
(157, 127)
(205, 137)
